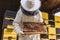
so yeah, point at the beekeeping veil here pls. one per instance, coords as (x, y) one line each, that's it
(30, 7)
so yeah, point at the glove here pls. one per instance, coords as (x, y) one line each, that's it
(18, 31)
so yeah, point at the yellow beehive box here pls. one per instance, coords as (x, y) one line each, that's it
(51, 30)
(8, 33)
(57, 24)
(45, 16)
(52, 36)
(10, 27)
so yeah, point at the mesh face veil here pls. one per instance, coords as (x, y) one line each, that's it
(30, 4)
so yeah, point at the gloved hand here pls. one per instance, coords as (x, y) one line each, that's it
(18, 31)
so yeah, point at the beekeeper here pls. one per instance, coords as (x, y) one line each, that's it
(29, 12)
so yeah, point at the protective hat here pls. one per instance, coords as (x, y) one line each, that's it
(30, 5)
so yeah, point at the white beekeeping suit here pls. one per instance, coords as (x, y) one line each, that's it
(23, 15)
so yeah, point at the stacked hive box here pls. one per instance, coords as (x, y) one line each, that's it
(9, 33)
(45, 17)
(53, 32)
(57, 27)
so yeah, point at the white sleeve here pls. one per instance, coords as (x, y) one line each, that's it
(17, 23)
(41, 19)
